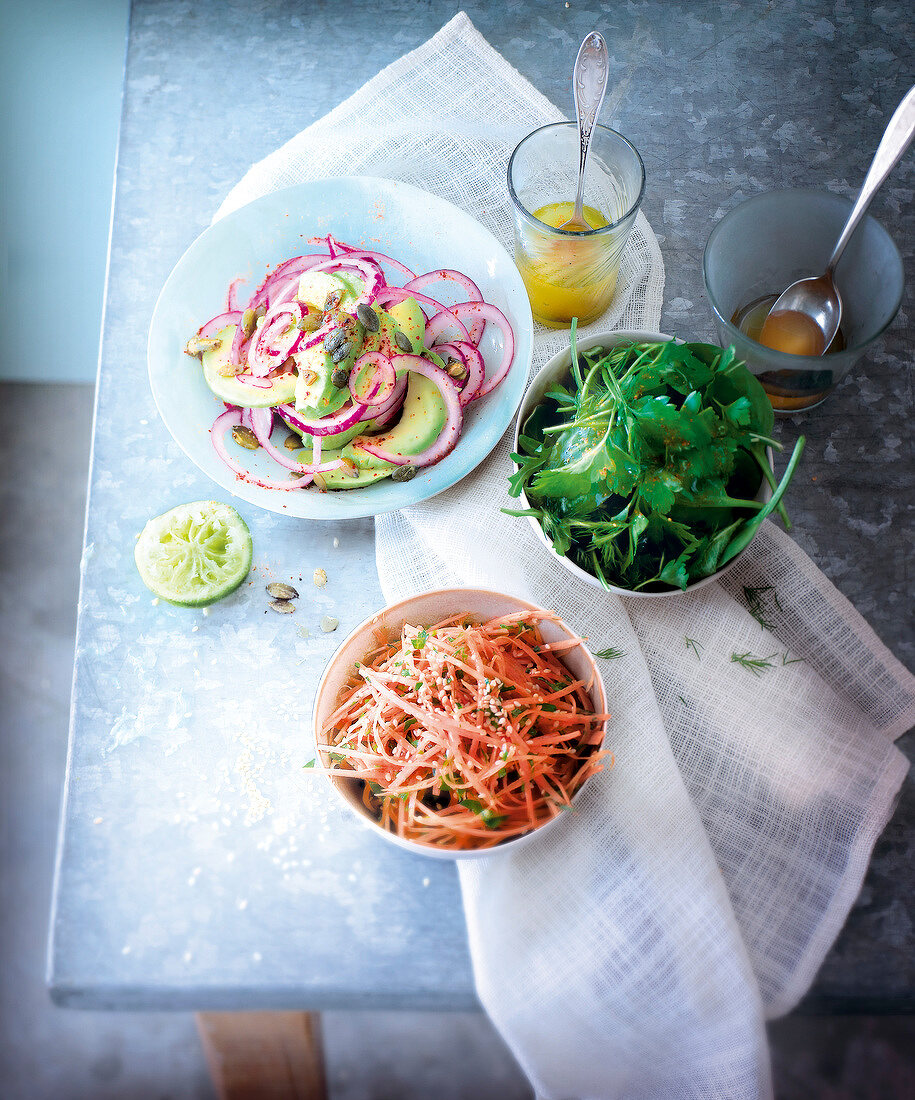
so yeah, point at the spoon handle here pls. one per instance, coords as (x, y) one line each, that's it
(896, 139)
(589, 84)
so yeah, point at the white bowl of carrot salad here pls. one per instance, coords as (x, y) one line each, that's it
(460, 722)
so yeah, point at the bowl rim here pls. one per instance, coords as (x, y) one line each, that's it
(786, 360)
(550, 372)
(598, 699)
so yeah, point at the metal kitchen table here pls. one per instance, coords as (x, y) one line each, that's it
(199, 866)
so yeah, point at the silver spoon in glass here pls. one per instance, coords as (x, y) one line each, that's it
(817, 298)
(589, 85)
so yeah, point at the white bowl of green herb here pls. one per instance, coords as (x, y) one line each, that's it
(644, 463)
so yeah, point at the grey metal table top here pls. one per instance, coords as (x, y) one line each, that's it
(199, 867)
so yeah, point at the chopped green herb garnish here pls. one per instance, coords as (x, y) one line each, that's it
(610, 653)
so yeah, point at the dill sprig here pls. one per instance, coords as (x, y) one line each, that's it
(752, 663)
(757, 599)
(610, 653)
(696, 647)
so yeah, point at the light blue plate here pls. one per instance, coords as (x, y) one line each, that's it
(420, 230)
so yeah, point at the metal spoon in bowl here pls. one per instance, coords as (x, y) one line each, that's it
(589, 85)
(816, 299)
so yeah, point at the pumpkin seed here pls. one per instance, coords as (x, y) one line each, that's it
(320, 483)
(309, 377)
(244, 437)
(280, 591)
(296, 475)
(260, 312)
(329, 623)
(339, 377)
(402, 341)
(333, 299)
(248, 322)
(457, 370)
(341, 351)
(334, 339)
(349, 467)
(404, 473)
(282, 607)
(230, 370)
(292, 442)
(197, 345)
(319, 577)
(368, 316)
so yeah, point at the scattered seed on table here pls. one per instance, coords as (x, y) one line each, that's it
(329, 623)
(280, 591)
(283, 607)
(320, 578)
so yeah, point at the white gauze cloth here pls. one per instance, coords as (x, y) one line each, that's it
(636, 950)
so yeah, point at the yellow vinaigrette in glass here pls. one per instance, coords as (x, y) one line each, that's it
(570, 275)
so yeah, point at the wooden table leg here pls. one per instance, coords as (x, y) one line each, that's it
(264, 1055)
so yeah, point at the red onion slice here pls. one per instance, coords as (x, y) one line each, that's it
(232, 294)
(473, 364)
(289, 269)
(399, 294)
(385, 413)
(277, 338)
(221, 425)
(487, 312)
(378, 257)
(219, 322)
(371, 273)
(339, 421)
(451, 430)
(470, 288)
(262, 426)
(381, 383)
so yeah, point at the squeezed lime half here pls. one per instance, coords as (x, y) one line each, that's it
(195, 554)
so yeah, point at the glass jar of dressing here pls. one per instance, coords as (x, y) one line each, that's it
(572, 273)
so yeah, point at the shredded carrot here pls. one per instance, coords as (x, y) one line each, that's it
(466, 734)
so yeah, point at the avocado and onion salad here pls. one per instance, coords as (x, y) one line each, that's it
(351, 363)
(643, 466)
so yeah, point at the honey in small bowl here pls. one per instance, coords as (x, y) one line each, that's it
(796, 334)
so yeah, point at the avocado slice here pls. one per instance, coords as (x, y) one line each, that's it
(233, 392)
(421, 421)
(314, 287)
(332, 442)
(320, 397)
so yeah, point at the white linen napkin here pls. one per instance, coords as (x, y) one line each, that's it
(637, 949)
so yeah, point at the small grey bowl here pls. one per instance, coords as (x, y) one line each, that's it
(557, 370)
